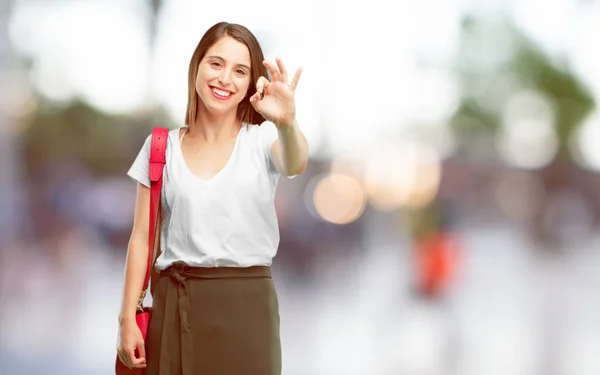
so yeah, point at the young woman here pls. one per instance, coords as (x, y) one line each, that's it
(215, 308)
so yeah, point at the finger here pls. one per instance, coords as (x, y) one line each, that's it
(136, 362)
(142, 351)
(282, 69)
(296, 78)
(139, 363)
(275, 74)
(261, 83)
(131, 356)
(120, 357)
(124, 359)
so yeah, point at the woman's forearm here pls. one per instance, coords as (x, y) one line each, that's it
(135, 272)
(293, 149)
(137, 255)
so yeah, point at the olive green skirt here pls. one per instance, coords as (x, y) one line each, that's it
(214, 321)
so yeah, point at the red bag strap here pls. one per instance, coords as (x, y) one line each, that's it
(158, 149)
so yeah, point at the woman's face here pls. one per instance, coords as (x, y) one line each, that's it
(224, 75)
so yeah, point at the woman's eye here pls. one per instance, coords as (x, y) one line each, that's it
(217, 64)
(241, 71)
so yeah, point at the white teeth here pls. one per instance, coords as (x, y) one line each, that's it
(221, 92)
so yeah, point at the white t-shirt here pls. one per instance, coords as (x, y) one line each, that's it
(228, 220)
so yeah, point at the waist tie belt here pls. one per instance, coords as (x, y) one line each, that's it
(179, 272)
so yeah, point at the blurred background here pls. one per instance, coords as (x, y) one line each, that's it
(447, 222)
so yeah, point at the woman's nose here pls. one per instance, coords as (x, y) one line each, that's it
(224, 78)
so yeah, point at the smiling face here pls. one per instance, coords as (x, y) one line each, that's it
(223, 52)
(224, 76)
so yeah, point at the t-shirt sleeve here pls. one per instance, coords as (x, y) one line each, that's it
(267, 135)
(139, 169)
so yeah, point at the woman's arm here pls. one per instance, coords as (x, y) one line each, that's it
(137, 256)
(290, 151)
(275, 101)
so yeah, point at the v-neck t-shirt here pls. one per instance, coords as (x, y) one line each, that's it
(227, 220)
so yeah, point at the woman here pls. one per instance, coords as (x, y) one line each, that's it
(215, 308)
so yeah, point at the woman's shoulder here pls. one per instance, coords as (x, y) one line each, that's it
(172, 133)
(172, 140)
(173, 136)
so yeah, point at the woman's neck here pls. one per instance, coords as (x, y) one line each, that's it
(213, 128)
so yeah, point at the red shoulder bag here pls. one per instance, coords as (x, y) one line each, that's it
(158, 148)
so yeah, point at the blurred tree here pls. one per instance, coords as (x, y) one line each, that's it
(491, 52)
(101, 143)
(497, 61)
(571, 99)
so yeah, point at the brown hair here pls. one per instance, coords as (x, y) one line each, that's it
(245, 110)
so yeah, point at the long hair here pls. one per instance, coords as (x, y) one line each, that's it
(245, 111)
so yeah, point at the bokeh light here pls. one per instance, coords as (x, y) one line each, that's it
(407, 175)
(527, 138)
(339, 199)
(584, 145)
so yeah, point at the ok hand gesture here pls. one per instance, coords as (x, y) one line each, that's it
(275, 100)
